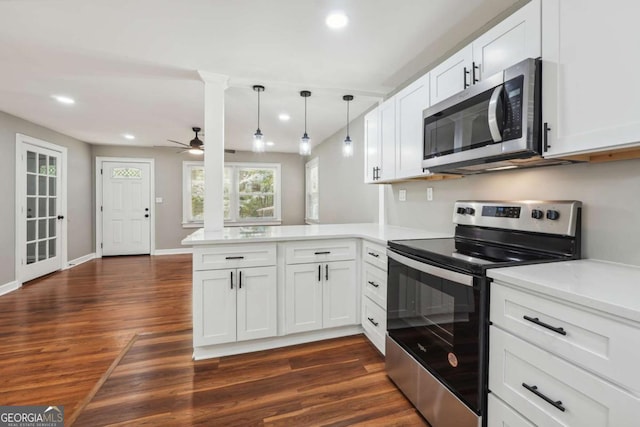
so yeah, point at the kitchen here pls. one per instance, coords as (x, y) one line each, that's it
(608, 231)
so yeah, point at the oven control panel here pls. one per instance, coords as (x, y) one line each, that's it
(541, 216)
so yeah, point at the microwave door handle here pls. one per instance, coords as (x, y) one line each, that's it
(494, 126)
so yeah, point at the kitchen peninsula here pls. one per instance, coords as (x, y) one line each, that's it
(256, 288)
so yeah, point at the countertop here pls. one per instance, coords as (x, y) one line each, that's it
(373, 232)
(605, 286)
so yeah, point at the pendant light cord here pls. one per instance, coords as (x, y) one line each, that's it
(348, 118)
(305, 115)
(258, 110)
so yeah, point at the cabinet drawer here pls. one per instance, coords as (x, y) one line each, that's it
(374, 322)
(374, 254)
(598, 344)
(234, 256)
(375, 284)
(320, 251)
(499, 414)
(539, 385)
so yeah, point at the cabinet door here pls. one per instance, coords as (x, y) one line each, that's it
(257, 309)
(590, 84)
(501, 415)
(371, 142)
(214, 307)
(410, 102)
(452, 76)
(339, 294)
(511, 41)
(303, 297)
(387, 139)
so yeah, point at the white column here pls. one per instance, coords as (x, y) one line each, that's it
(214, 87)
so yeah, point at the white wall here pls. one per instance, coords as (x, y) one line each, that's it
(608, 191)
(344, 198)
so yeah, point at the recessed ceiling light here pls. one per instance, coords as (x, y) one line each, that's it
(128, 136)
(270, 143)
(284, 117)
(336, 20)
(63, 99)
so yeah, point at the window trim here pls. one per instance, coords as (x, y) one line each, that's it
(234, 195)
(311, 164)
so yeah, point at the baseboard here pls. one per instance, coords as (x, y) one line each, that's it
(178, 251)
(10, 287)
(78, 261)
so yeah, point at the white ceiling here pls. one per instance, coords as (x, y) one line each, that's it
(131, 65)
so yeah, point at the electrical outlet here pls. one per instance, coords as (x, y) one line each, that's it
(430, 194)
(402, 195)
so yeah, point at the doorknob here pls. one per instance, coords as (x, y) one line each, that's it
(60, 216)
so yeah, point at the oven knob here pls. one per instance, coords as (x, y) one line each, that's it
(537, 214)
(553, 215)
(470, 211)
(461, 211)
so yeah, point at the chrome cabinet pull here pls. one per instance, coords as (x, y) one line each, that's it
(234, 257)
(555, 403)
(319, 273)
(240, 279)
(374, 284)
(475, 67)
(373, 321)
(464, 78)
(322, 253)
(546, 136)
(231, 279)
(326, 272)
(374, 254)
(537, 321)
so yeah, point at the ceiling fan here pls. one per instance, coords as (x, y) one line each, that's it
(195, 146)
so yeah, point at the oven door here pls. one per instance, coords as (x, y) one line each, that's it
(436, 315)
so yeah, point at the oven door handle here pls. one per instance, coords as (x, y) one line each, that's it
(454, 276)
(492, 113)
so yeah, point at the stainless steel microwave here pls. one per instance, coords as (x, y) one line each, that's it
(492, 125)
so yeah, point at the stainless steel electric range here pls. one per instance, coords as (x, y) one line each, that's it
(438, 299)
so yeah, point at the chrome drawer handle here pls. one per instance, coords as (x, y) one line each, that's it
(555, 403)
(537, 321)
(374, 284)
(373, 321)
(373, 254)
(234, 257)
(322, 253)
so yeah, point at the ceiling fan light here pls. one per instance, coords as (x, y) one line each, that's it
(305, 145)
(196, 151)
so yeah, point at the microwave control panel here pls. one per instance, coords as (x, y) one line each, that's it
(513, 108)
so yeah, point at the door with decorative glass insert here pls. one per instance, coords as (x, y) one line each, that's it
(126, 208)
(41, 209)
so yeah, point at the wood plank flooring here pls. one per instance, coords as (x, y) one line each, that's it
(62, 335)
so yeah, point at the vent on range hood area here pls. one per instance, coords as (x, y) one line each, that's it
(492, 125)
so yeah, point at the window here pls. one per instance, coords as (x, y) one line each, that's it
(251, 193)
(312, 192)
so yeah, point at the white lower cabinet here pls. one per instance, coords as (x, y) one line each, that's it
(374, 322)
(374, 293)
(555, 363)
(320, 295)
(234, 305)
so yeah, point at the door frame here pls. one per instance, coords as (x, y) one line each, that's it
(21, 194)
(152, 205)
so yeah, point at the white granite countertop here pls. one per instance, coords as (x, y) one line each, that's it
(605, 286)
(372, 232)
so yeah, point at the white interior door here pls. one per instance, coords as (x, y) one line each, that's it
(126, 208)
(41, 207)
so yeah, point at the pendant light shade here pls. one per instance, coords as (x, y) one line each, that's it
(347, 144)
(305, 141)
(258, 138)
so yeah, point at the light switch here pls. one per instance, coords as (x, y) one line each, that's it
(159, 200)
(402, 195)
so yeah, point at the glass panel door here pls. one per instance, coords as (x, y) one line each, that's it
(40, 208)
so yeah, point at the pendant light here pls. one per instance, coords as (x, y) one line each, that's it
(258, 138)
(347, 145)
(305, 141)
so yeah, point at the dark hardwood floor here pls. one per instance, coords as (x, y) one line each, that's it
(111, 341)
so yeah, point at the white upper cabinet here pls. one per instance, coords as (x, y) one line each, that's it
(451, 76)
(590, 75)
(387, 143)
(511, 41)
(410, 102)
(371, 149)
